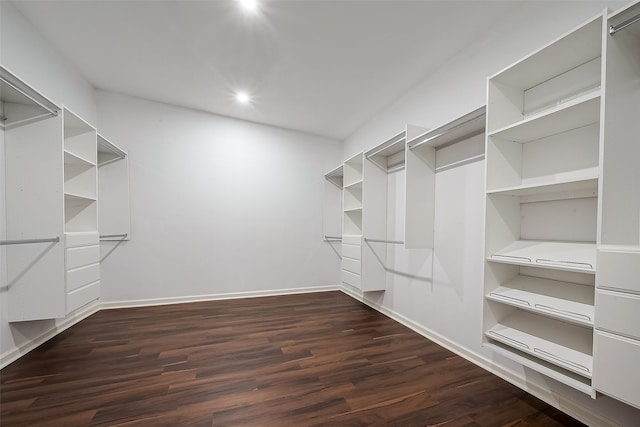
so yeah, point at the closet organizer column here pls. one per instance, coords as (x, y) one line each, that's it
(82, 251)
(542, 180)
(352, 221)
(617, 316)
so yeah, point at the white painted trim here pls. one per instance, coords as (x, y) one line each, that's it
(215, 297)
(570, 407)
(14, 354)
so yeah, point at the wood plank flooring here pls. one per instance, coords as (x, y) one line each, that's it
(297, 360)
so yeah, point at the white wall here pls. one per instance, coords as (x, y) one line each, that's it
(218, 205)
(25, 53)
(440, 292)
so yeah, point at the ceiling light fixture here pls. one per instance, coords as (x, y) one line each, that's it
(243, 97)
(250, 5)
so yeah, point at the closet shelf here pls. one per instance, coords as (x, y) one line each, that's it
(78, 198)
(567, 346)
(356, 209)
(581, 111)
(74, 159)
(560, 300)
(583, 180)
(565, 256)
(354, 186)
(559, 374)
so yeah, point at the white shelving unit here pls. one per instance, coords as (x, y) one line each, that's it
(82, 253)
(617, 312)
(51, 205)
(351, 250)
(113, 191)
(543, 160)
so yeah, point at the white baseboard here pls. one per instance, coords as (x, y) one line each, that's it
(570, 407)
(214, 297)
(14, 354)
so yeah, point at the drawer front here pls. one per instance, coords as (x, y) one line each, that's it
(351, 278)
(351, 240)
(82, 296)
(351, 251)
(615, 367)
(617, 312)
(351, 265)
(72, 240)
(618, 270)
(84, 255)
(79, 277)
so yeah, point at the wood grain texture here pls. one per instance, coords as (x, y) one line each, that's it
(297, 360)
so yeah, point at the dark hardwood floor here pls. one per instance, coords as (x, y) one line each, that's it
(298, 360)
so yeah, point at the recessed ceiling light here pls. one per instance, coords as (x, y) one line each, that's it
(250, 5)
(243, 97)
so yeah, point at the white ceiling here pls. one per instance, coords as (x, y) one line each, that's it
(318, 66)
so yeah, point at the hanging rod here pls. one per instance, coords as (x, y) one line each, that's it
(108, 236)
(28, 241)
(459, 125)
(52, 112)
(615, 28)
(327, 238)
(395, 242)
(394, 140)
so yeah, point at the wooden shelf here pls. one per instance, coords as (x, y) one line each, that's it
(578, 112)
(565, 256)
(357, 209)
(561, 300)
(567, 346)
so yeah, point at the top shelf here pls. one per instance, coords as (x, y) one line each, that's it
(462, 128)
(25, 103)
(569, 51)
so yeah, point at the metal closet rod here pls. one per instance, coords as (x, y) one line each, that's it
(332, 238)
(395, 242)
(28, 241)
(459, 125)
(52, 112)
(615, 28)
(108, 236)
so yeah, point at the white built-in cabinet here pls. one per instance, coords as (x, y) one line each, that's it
(51, 178)
(562, 240)
(617, 295)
